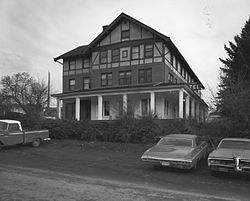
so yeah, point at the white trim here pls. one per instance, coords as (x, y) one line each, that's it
(120, 93)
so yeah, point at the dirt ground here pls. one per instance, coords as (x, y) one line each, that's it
(111, 165)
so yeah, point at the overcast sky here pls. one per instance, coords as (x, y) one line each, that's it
(33, 32)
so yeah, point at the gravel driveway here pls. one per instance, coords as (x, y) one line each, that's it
(75, 170)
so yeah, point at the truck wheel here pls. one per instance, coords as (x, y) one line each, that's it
(36, 142)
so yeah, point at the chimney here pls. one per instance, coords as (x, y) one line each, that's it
(104, 27)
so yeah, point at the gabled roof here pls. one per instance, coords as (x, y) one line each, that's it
(121, 17)
(86, 48)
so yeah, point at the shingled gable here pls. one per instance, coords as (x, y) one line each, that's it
(81, 50)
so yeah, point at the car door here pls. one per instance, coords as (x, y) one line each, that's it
(13, 135)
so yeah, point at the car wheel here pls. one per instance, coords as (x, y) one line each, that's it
(36, 142)
(195, 165)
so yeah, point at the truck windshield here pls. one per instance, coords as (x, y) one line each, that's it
(3, 126)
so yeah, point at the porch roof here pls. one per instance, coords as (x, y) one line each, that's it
(131, 89)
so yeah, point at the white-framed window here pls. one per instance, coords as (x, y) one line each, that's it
(135, 53)
(72, 84)
(106, 108)
(86, 83)
(170, 78)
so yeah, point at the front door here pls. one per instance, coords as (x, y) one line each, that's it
(85, 113)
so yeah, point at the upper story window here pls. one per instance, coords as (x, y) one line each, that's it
(86, 63)
(106, 79)
(124, 54)
(176, 81)
(170, 78)
(145, 75)
(125, 34)
(72, 84)
(125, 78)
(72, 64)
(103, 57)
(86, 83)
(181, 70)
(115, 55)
(148, 51)
(135, 52)
(171, 58)
(185, 75)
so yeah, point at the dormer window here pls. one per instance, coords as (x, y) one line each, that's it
(125, 35)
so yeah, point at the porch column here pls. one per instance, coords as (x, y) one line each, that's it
(181, 103)
(198, 111)
(77, 109)
(187, 106)
(152, 102)
(99, 109)
(125, 103)
(192, 109)
(59, 111)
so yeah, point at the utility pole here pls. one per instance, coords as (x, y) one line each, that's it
(48, 90)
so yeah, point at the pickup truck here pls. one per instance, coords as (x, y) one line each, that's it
(11, 133)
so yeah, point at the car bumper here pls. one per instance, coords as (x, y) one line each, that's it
(169, 163)
(228, 169)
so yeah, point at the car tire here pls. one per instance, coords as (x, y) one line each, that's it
(36, 142)
(195, 165)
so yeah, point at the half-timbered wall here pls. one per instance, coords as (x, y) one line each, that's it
(166, 67)
(135, 33)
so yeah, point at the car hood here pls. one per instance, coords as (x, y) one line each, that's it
(170, 152)
(230, 153)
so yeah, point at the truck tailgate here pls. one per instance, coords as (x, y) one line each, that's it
(30, 135)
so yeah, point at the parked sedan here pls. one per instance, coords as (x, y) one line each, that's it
(231, 155)
(178, 151)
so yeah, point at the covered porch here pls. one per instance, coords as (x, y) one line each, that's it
(163, 103)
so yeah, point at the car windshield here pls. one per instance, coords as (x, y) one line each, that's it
(232, 144)
(176, 142)
(3, 126)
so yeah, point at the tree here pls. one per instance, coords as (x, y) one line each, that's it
(5, 105)
(234, 90)
(22, 89)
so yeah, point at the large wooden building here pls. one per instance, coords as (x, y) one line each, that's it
(129, 67)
